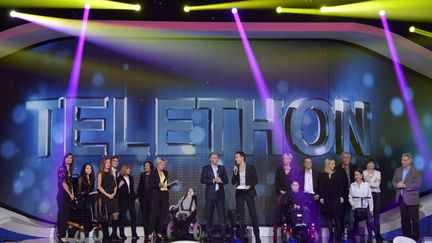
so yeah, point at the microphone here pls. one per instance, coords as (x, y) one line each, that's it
(235, 168)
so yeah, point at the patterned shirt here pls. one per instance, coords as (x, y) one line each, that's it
(64, 176)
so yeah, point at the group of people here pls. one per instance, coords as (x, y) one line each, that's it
(336, 194)
(114, 195)
(348, 193)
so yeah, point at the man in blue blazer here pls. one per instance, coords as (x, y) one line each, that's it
(214, 176)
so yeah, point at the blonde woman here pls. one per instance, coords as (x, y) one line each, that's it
(331, 191)
(160, 198)
(127, 197)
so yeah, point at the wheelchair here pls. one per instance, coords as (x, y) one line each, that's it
(296, 224)
(82, 222)
(238, 231)
(184, 227)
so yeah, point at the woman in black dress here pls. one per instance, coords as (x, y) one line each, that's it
(160, 198)
(284, 176)
(144, 195)
(331, 189)
(65, 195)
(107, 186)
(86, 187)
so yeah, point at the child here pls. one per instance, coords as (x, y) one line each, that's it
(360, 198)
(295, 201)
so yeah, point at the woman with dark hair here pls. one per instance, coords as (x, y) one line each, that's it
(65, 195)
(86, 186)
(284, 176)
(107, 186)
(160, 198)
(186, 204)
(144, 195)
(373, 177)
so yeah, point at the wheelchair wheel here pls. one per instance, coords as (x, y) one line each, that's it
(97, 235)
(169, 233)
(55, 234)
(79, 236)
(285, 233)
(197, 232)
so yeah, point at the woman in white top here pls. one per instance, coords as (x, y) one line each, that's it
(373, 177)
(360, 199)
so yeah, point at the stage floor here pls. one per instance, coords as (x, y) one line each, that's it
(141, 240)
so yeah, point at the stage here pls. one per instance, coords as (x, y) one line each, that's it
(283, 90)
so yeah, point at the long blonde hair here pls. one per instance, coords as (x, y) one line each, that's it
(327, 165)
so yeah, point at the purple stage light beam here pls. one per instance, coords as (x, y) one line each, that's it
(260, 83)
(74, 78)
(411, 111)
(256, 71)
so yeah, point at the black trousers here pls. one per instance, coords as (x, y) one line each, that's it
(336, 231)
(314, 210)
(410, 218)
(241, 198)
(219, 203)
(158, 212)
(127, 205)
(369, 224)
(145, 205)
(64, 208)
(376, 213)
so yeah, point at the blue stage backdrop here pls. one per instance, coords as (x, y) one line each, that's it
(187, 97)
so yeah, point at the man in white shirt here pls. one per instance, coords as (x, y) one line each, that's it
(308, 180)
(114, 165)
(360, 199)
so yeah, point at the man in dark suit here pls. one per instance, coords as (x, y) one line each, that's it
(407, 181)
(308, 180)
(346, 172)
(127, 197)
(245, 178)
(214, 176)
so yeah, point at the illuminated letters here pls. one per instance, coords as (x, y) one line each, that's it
(338, 129)
(44, 109)
(120, 144)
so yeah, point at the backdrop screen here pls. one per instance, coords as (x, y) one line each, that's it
(183, 98)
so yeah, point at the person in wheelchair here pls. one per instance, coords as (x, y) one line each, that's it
(185, 209)
(185, 221)
(294, 206)
(360, 198)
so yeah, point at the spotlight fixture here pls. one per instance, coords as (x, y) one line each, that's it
(137, 7)
(279, 10)
(382, 12)
(87, 6)
(186, 9)
(13, 14)
(324, 9)
(412, 29)
(234, 10)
